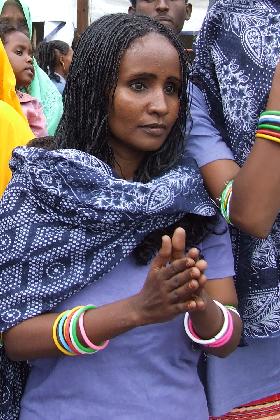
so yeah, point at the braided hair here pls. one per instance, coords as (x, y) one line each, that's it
(47, 56)
(92, 81)
(90, 85)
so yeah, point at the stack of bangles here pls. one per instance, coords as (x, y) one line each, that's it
(269, 129)
(222, 337)
(269, 126)
(65, 334)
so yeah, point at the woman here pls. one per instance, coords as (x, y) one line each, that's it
(98, 207)
(54, 58)
(41, 87)
(236, 68)
(14, 128)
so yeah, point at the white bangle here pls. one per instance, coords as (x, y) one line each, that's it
(233, 309)
(220, 334)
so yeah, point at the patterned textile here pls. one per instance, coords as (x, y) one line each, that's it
(267, 408)
(65, 221)
(237, 52)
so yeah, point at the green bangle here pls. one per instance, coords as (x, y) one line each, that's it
(269, 126)
(74, 329)
(270, 113)
(225, 200)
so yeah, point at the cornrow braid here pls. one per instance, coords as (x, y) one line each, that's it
(92, 81)
(47, 56)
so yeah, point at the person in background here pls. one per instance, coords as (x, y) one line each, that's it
(19, 51)
(14, 128)
(41, 88)
(238, 73)
(172, 14)
(54, 58)
(252, 372)
(102, 210)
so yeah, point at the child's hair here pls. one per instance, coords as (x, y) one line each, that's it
(47, 57)
(92, 81)
(7, 29)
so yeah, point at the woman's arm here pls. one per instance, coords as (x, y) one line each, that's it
(164, 295)
(173, 286)
(255, 199)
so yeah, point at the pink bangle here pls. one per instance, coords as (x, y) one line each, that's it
(226, 338)
(85, 337)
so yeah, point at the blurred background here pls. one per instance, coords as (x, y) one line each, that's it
(61, 19)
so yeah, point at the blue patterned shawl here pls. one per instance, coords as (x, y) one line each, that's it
(65, 221)
(237, 52)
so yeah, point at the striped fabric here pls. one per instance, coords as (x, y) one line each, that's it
(267, 408)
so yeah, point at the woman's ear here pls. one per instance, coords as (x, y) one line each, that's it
(62, 62)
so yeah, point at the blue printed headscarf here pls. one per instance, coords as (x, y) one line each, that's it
(236, 54)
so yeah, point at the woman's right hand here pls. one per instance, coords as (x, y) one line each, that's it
(174, 278)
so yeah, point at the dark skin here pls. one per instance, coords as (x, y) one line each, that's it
(172, 13)
(255, 201)
(19, 51)
(176, 282)
(63, 63)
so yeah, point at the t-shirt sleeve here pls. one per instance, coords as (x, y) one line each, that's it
(217, 251)
(203, 141)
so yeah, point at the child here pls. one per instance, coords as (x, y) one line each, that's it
(55, 58)
(19, 51)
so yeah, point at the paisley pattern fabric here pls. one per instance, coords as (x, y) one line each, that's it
(65, 221)
(237, 52)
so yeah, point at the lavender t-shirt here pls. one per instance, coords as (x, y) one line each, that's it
(148, 373)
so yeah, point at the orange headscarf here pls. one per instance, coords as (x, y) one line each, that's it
(14, 128)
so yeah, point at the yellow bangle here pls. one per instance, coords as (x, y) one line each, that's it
(265, 136)
(54, 335)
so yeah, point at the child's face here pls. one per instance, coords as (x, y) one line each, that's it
(19, 51)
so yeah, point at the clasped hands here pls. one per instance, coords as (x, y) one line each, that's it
(175, 282)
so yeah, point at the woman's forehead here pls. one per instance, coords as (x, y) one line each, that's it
(151, 53)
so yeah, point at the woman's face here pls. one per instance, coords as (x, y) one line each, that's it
(13, 14)
(146, 101)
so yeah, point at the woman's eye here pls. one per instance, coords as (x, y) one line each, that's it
(18, 52)
(171, 88)
(138, 86)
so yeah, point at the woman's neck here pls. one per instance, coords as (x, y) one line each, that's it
(127, 161)
(60, 72)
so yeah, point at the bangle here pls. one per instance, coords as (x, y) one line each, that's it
(269, 126)
(73, 331)
(270, 118)
(269, 133)
(233, 309)
(225, 199)
(227, 336)
(66, 330)
(60, 332)
(85, 337)
(265, 136)
(270, 113)
(194, 337)
(54, 335)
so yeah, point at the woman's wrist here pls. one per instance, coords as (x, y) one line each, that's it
(209, 321)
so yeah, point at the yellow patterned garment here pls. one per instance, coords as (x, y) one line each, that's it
(14, 128)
